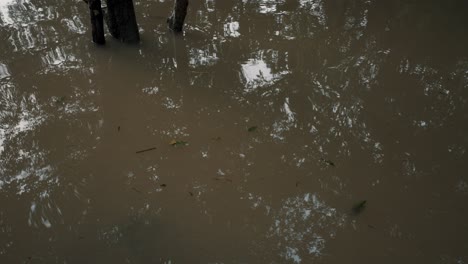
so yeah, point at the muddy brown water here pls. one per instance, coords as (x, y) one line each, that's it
(345, 101)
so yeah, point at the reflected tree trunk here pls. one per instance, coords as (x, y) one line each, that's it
(121, 21)
(97, 21)
(177, 18)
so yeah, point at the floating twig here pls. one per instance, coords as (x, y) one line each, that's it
(145, 150)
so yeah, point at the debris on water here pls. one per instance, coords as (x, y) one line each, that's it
(163, 185)
(145, 150)
(358, 208)
(252, 128)
(191, 193)
(297, 183)
(118, 128)
(176, 143)
(328, 162)
(371, 226)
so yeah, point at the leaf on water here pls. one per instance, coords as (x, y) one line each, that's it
(176, 143)
(252, 128)
(359, 207)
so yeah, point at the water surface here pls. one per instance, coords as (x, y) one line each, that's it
(288, 114)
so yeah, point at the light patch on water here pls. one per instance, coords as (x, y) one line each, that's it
(4, 71)
(265, 9)
(316, 9)
(290, 114)
(19, 177)
(231, 29)
(151, 90)
(364, 20)
(60, 59)
(266, 6)
(420, 123)
(304, 222)
(292, 254)
(176, 132)
(54, 57)
(284, 124)
(27, 123)
(5, 13)
(46, 222)
(170, 104)
(205, 57)
(210, 5)
(75, 25)
(316, 246)
(31, 212)
(2, 140)
(256, 72)
(44, 173)
(256, 201)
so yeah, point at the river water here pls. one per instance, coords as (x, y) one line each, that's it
(251, 138)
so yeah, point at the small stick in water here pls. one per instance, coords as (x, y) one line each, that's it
(145, 150)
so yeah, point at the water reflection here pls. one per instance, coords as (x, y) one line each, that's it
(4, 12)
(3, 71)
(256, 73)
(342, 110)
(303, 225)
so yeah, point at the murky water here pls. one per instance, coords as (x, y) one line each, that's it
(287, 114)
